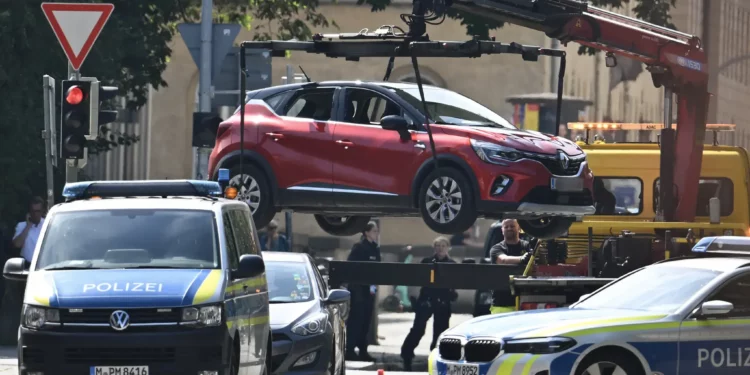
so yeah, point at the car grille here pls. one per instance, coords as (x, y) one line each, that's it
(32, 356)
(101, 316)
(450, 349)
(119, 356)
(555, 167)
(481, 350)
(545, 195)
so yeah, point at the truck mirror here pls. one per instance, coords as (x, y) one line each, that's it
(714, 210)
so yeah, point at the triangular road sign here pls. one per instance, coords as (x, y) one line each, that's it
(77, 26)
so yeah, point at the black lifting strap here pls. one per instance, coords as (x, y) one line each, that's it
(560, 80)
(389, 69)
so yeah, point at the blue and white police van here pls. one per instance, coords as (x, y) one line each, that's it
(685, 316)
(144, 277)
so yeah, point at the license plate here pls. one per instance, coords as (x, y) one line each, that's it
(566, 184)
(119, 370)
(461, 369)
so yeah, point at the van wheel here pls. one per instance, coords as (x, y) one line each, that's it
(546, 228)
(450, 210)
(253, 189)
(342, 225)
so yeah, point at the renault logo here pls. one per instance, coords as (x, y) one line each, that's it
(119, 320)
(564, 159)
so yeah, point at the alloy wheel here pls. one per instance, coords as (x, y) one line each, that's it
(248, 190)
(336, 220)
(443, 205)
(604, 368)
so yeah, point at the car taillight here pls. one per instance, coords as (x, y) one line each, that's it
(537, 305)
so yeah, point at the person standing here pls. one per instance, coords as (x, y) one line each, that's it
(431, 302)
(272, 240)
(362, 296)
(27, 232)
(511, 250)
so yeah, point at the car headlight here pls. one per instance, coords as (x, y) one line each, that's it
(545, 345)
(313, 325)
(495, 153)
(36, 317)
(204, 315)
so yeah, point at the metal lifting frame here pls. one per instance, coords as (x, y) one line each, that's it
(386, 42)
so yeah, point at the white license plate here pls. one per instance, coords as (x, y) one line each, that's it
(566, 184)
(119, 370)
(461, 369)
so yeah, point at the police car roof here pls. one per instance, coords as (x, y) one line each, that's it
(171, 203)
(283, 256)
(723, 264)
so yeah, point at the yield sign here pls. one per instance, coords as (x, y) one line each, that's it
(77, 26)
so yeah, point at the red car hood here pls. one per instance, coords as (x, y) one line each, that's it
(525, 140)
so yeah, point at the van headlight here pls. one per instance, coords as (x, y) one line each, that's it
(495, 153)
(209, 315)
(313, 325)
(36, 317)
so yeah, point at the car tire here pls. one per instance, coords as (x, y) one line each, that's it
(608, 361)
(257, 193)
(456, 199)
(546, 228)
(342, 225)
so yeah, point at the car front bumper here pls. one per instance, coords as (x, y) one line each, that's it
(174, 352)
(513, 364)
(288, 349)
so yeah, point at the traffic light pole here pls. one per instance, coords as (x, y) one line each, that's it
(50, 138)
(72, 165)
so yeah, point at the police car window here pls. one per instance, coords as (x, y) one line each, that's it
(234, 261)
(669, 287)
(288, 282)
(130, 238)
(737, 292)
(618, 195)
(708, 188)
(243, 236)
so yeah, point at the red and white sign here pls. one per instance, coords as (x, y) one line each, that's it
(77, 26)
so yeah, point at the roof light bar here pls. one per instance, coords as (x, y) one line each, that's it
(89, 189)
(723, 245)
(638, 126)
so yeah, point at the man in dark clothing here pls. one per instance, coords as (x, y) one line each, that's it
(511, 250)
(362, 297)
(431, 301)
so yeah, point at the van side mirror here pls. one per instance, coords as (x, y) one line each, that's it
(250, 266)
(15, 269)
(716, 307)
(397, 123)
(714, 210)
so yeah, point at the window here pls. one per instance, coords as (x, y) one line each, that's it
(736, 292)
(368, 107)
(274, 100)
(721, 188)
(234, 260)
(126, 238)
(322, 286)
(288, 282)
(315, 104)
(618, 195)
(242, 233)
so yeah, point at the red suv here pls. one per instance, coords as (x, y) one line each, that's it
(349, 150)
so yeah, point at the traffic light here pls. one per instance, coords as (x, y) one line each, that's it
(100, 116)
(75, 119)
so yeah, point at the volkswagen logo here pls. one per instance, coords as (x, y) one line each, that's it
(564, 159)
(119, 320)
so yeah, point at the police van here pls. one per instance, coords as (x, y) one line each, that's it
(142, 277)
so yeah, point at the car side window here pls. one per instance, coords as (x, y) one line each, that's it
(322, 287)
(234, 261)
(315, 104)
(367, 107)
(736, 292)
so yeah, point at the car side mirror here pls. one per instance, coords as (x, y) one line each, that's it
(397, 123)
(250, 266)
(716, 307)
(337, 296)
(15, 269)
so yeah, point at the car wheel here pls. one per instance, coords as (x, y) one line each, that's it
(234, 360)
(546, 228)
(342, 225)
(332, 365)
(613, 362)
(451, 210)
(253, 189)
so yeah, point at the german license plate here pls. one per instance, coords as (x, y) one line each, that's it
(566, 184)
(119, 370)
(461, 369)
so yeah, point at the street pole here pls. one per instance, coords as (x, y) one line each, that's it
(204, 99)
(71, 166)
(50, 143)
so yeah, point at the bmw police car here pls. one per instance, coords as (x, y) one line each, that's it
(685, 316)
(142, 277)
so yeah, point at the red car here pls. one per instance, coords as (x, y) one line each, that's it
(346, 151)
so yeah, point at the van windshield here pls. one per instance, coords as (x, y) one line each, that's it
(130, 238)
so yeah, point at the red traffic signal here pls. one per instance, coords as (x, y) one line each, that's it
(74, 95)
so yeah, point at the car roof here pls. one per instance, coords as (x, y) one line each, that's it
(170, 203)
(719, 264)
(395, 85)
(284, 256)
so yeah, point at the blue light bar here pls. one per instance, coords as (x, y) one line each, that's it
(728, 245)
(223, 175)
(151, 188)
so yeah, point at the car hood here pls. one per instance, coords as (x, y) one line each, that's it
(551, 322)
(284, 314)
(526, 140)
(119, 288)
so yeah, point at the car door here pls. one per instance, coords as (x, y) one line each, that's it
(373, 166)
(719, 344)
(250, 293)
(334, 315)
(233, 300)
(298, 147)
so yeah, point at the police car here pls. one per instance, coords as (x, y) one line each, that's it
(685, 316)
(144, 277)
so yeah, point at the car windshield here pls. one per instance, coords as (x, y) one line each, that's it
(130, 238)
(448, 107)
(288, 282)
(660, 289)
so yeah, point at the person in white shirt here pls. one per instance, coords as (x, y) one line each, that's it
(27, 232)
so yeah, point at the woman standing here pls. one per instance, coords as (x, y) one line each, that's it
(362, 296)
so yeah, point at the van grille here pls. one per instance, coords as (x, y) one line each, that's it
(119, 356)
(101, 316)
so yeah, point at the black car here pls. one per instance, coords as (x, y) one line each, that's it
(308, 321)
